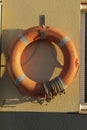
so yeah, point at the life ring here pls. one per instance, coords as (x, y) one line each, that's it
(49, 88)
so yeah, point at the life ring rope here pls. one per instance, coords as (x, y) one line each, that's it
(53, 87)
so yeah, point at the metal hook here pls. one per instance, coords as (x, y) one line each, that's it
(42, 24)
(42, 20)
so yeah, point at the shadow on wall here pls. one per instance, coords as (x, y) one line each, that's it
(39, 60)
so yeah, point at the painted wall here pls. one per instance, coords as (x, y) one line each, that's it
(18, 15)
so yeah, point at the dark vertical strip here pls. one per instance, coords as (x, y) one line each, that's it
(0, 33)
(42, 20)
(85, 57)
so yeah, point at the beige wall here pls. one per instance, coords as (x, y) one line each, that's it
(19, 15)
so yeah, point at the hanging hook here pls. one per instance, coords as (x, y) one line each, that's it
(42, 24)
(42, 20)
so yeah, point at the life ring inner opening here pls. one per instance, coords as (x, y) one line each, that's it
(40, 60)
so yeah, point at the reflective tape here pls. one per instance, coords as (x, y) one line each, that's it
(23, 39)
(19, 79)
(63, 41)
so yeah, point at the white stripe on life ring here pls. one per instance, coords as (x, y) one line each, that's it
(19, 79)
(23, 39)
(63, 41)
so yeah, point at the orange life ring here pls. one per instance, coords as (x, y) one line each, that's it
(30, 87)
